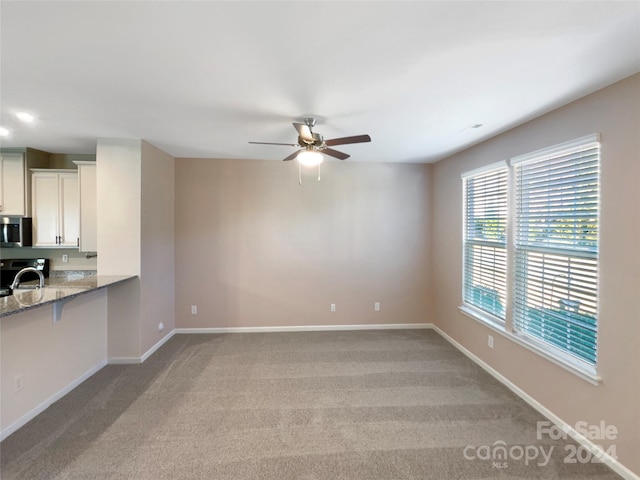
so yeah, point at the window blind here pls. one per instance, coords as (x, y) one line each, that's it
(556, 249)
(485, 253)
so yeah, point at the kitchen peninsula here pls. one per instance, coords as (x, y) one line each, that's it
(41, 359)
(54, 338)
(56, 290)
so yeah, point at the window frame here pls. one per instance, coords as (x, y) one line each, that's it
(507, 328)
(486, 314)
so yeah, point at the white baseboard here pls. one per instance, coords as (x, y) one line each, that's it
(597, 451)
(161, 342)
(307, 328)
(124, 360)
(49, 401)
(147, 354)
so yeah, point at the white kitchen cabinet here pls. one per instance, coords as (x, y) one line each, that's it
(55, 208)
(15, 179)
(88, 206)
(12, 185)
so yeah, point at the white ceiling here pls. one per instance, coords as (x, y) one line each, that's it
(201, 79)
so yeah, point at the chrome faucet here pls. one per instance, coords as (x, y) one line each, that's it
(16, 280)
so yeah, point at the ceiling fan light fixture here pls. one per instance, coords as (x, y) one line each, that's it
(310, 158)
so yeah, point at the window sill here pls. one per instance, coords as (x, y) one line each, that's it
(586, 373)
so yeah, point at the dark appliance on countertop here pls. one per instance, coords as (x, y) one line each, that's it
(15, 232)
(10, 267)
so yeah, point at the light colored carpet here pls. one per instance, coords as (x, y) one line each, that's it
(387, 405)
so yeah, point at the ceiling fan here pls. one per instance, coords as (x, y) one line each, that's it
(312, 145)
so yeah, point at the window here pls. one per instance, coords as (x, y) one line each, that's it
(550, 303)
(485, 247)
(556, 248)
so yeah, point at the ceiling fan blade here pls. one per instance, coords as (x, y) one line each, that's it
(271, 143)
(346, 140)
(304, 131)
(335, 153)
(292, 156)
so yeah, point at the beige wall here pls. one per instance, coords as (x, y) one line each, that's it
(50, 356)
(615, 113)
(157, 246)
(118, 189)
(136, 237)
(123, 307)
(119, 170)
(254, 248)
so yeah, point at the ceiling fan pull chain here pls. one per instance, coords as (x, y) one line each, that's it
(299, 173)
(319, 172)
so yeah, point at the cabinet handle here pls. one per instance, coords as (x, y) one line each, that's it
(78, 241)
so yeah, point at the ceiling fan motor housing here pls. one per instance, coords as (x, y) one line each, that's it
(317, 141)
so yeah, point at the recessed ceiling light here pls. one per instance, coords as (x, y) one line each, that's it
(4, 132)
(25, 117)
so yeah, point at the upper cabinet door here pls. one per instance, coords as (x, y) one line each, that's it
(88, 206)
(12, 185)
(69, 210)
(45, 208)
(56, 210)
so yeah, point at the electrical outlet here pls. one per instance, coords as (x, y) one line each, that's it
(490, 341)
(65, 258)
(333, 307)
(376, 306)
(194, 309)
(160, 326)
(19, 382)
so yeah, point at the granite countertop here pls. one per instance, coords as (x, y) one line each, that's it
(56, 288)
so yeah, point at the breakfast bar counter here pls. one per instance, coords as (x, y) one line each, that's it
(56, 290)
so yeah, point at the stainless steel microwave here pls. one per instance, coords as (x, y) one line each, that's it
(15, 232)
